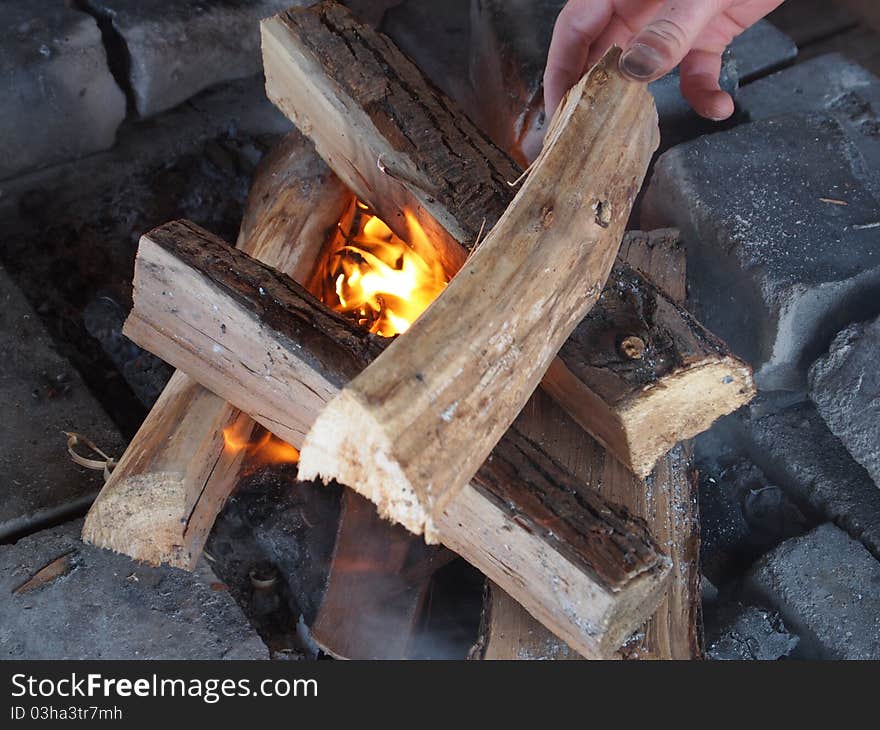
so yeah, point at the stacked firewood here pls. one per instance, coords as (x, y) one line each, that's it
(470, 428)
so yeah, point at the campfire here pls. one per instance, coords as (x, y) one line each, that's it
(371, 275)
(376, 279)
(438, 455)
(262, 447)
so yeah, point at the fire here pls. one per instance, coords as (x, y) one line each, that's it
(376, 278)
(267, 448)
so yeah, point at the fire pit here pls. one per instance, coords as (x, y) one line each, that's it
(522, 502)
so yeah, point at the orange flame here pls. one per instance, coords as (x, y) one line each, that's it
(268, 448)
(373, 276)
(377, 278)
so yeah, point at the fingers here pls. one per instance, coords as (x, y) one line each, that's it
(662, 44)
(579, 24)
(700, 71)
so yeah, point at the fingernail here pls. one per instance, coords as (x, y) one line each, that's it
(641, 62)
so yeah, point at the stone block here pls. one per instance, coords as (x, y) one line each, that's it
(43, 396)
(60, 100)
(760, 50)
(829, 83)
(778, 218)
(796, 450)
(174, 50)
(845, 386)
(826, 587)
(67, 600)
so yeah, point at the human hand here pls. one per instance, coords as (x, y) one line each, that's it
(657, 36)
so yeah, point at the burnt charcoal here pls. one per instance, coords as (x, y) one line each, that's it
(274, 522)
(742, 516)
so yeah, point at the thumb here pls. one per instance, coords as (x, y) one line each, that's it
(661, 45)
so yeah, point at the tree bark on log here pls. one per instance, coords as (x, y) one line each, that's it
(256, 338)
(160, 502)
(640, 374)
(667, 500)
(458, 377)
(415, 158)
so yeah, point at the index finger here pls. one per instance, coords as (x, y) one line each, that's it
(579, 24)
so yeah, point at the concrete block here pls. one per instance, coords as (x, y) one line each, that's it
(174, 50)
(760, 50)
(42, 396)
(778, 219)
(826, 587)
(60, 101)
(829, 83)
(67, 600)
(795, 449)
(845, 386)
(749, 633)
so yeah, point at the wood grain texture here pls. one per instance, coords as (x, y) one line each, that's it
(162, 499)
(457, 378)
(641, 374)
(421, 164)
(376, 586)
(258, 339)
(667, 500)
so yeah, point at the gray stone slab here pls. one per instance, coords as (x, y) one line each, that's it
(239, 108)
(829, 83)
(860, 45)
(749, 633)
(59, 98)
(42, 396)
(845, 386)
(796, 450)
(678, 122)
(760, 50)
(104, 606)
(826, 586)
(180, 48)
(777, 217)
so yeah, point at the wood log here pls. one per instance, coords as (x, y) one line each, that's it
(640, 374)
(580, 566)
(418, 161)
(376, 586)
(397, 143)
(508, 631)
(667, 500)
(455, 381)
(160, 502)
(370, 582)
